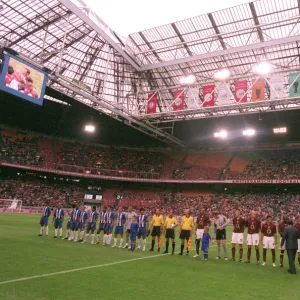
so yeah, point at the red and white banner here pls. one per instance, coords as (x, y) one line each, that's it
(178, 100)
(224, 94)
(151, 105)
(208, 95)
(240, 91)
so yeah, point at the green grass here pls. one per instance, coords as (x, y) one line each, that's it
(24, 254)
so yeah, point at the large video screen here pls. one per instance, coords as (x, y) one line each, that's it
(22, 79)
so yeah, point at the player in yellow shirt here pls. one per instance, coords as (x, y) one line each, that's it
(187, 224)
(155, 227)
(169, 230)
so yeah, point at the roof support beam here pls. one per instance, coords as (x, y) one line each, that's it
(100, 31)
(182, 40)
(256, 22)
(215, 26)
(285, 40)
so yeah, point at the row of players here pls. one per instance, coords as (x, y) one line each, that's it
(139, 226)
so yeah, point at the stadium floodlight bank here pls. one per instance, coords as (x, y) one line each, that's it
(11, 205)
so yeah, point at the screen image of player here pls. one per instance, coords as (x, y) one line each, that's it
(23, 79)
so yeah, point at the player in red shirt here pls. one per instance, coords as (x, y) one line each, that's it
(238, 234)
(268, 239)
(201, 221)
(297, 226)
(281, 228)
(254, 225)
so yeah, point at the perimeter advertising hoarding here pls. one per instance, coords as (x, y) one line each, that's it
(22, 79)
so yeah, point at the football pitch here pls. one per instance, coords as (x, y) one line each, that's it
(59, 269)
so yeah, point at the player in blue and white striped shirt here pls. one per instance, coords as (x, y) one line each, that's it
(109, 225)
(58, 219)
(75, 219)
(91, 225)
(120, 220)
(46, 212)
(82, 223)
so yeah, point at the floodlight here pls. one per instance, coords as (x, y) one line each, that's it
(249, 132)
(280, 130)
(222, 75)
(221, 134)
(89, 128)
(262, 68)
(190, 79)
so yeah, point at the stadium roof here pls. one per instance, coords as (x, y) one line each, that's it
(95, 66)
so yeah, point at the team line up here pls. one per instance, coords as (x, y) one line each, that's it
(137, 227)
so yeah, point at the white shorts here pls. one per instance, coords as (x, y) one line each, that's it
(199, 233)
(253, 239)
(269, 242)
(283, 247)
(298, 246)
(237, 238)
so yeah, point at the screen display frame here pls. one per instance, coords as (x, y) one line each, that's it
(5, 62)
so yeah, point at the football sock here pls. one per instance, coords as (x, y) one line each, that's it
(47, 230)
(144, 243)
(257, 254)
(219, 250)
(197, 246)
(248, 254)
(67, 233)
(187, 250)
(241, 253)
(115, 242)
(232, 252)
(81, 234)
(41, 230)
(127, 239)
(109, 238)
(76, 235)
(98, 237)
(121, 242)
(60, 232)
(72, 234)
(139, 243)
(167, 246)
(225, 250)
(86, 237)
(173, 247)
(133, 246)
(105, 239)
(264, 255)
(273, 255)
(181, 249)
(93, 237)
(55, 232)
(152, 244)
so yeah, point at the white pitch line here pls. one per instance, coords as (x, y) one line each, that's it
(85, 268)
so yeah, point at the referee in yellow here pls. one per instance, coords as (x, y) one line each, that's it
(170, 225)
(155, 228)
(187, 224)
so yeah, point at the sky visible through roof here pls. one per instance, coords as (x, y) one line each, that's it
(130, 16)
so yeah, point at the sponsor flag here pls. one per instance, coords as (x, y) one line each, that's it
(193, 98)
(276, 86)
(223, 97)
(258, 89)
(294, 84)
(208, 95)
(178, 100)
(151, 105)
(240, 91)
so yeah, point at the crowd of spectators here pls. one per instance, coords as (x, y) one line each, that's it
(34, 193)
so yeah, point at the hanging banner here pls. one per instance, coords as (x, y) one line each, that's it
(193, 98)
(208, 95)
(178, 100)
(240, 91)
(151, 105)
(224, 95)
(258, 89)
(276, 86)
(294, 84)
